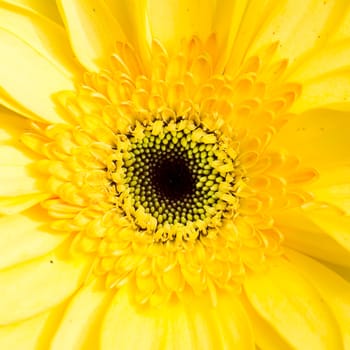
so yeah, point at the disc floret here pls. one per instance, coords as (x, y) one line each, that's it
(177, 178)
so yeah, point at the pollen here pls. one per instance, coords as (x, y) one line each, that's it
(166, 181)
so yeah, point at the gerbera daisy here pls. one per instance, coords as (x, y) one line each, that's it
(174, 174)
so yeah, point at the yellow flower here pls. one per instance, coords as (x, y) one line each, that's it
(174, 174)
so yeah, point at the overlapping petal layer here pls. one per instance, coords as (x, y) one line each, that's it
(48, 281)
(45, 8)
(92, 30)
(254, 62)
(26, 236)
(189, 324)
(288, 302)
(330, 286)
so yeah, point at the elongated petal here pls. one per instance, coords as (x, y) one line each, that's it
(255, 14)
(287, 301)
(12, 126)
(320, 138)
(205, 19)
(15, 178)
(141, 331)
(92, 30)
(172, 21)
(133, 19)
(329, 58)
(333, 187)
(41, 34)
(46, 37)
(330, 90)
(342, 30)
(287, 22)
(302, 234)
(13, 153)
(6, 101)
(191, 324)
(38, 285)
(80, 322)
(332, 221)
(25, 236)
(227, 19)
(16, 204)
(46, 8)
(200, 18)
(342, 271)
(331, 287)
(34, 74)
(23, 335)
(325, 75)
(265, 334)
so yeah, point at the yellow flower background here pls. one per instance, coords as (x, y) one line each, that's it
(252, 97)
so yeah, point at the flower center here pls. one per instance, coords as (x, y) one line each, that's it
(173, 173)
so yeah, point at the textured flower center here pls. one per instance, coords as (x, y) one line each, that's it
(169, 178)
(174, 173)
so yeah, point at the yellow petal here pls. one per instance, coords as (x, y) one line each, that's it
(298, 25)
(38, 285)
(332, 221)
(81, 319)
(302, 234)
(331, 90)
(92, 30)
(23, 335)
(293, 307)
(16, 194)
(11, 155)
(333, 186)
(6, 101)
(202, 19)
(265, 335)
(328, 58)
(227, 19)
(132, 17)
(12, 126)
(253, 18)
(192, 323)
(16, 180)
(325, 77)
(17, 204)
(23, 71)
(342, 30)
(342, 271)
(26, 236)
(320, 138)
(41, 34)
(16, 177)
(330, 286)
(46, 8)
(125, 328)
(172, 21)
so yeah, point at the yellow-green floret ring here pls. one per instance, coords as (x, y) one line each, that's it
(175, 179)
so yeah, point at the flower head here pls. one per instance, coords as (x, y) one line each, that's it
(174, 175)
